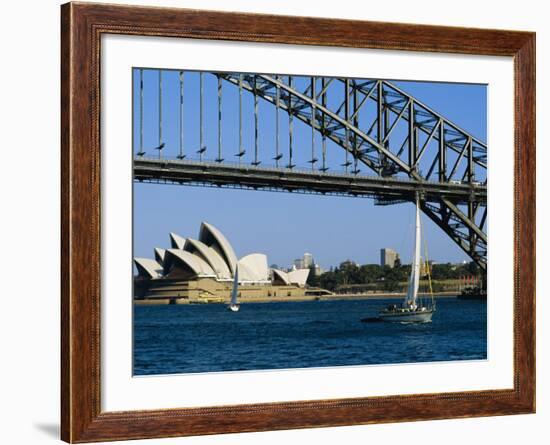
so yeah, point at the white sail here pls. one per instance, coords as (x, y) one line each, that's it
(235, 290)
(414, 281)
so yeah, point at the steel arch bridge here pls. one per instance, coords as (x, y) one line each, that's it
(392, 146)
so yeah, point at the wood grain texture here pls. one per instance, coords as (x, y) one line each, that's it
(82, 26)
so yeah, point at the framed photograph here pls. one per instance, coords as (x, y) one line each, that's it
(274, 222)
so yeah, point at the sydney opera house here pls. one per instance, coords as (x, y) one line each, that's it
(202, 270)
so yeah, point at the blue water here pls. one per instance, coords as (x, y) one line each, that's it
(206, 338)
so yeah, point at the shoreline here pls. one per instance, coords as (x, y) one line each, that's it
(335, 297)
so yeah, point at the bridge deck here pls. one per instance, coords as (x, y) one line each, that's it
(224, 174)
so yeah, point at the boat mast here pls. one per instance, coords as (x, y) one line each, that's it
(414, 280)
(234, 291)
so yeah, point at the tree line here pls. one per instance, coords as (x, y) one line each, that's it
(385, 277)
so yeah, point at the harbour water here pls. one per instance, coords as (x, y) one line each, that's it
(209, 338)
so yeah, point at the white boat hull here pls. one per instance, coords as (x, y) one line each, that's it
(234, 307)
(407, 317)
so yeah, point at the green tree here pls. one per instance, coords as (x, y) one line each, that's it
(328, 280)
(312, 278)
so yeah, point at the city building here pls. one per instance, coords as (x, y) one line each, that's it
(388, 257)
(203, 269)
(307, 260)
(298, 263)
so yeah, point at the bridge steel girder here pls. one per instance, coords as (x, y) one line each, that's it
(172, 171)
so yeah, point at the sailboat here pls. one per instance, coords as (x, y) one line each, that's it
(233, 305)
(411, 310)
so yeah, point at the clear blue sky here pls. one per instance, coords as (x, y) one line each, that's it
(281, 225)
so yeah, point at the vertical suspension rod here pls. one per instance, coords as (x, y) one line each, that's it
(379, 123)
(219, 158)
(324, 136)
(181, 155)
(141, 152)
(442, 153)
(277, 104)
(471, 172)
(412, 154)
(256, 122)
(290, 124)
(356, 125)
(161, 145)
(202, 148)
(241, 151)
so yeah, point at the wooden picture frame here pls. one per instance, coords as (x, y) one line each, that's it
(82, 26)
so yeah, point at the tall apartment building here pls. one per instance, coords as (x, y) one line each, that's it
(388, 257)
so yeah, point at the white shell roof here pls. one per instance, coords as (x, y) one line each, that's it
(148, 268)
(176, 241)
(298, 276)
(159, 254)
(213, 238)
(283, 276)
(253, 267)
(208, 254)
(193, 262)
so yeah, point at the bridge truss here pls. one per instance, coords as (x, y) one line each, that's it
(391, 147)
